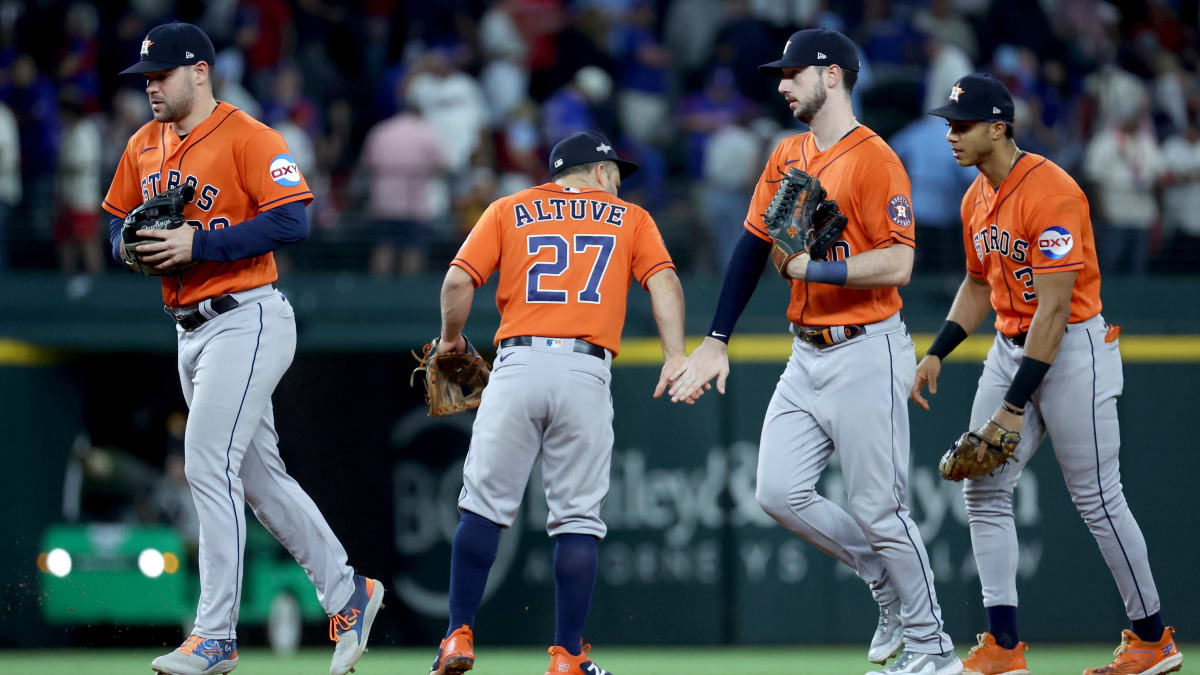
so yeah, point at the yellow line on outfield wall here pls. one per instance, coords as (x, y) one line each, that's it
(775, 349)
(18, 353)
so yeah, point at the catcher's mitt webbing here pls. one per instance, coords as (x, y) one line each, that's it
(979, 452)
(454, 381)
(163, 211)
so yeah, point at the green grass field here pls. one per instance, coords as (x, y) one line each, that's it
(1043, 660)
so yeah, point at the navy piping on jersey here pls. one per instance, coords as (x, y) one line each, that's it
(114, 207)
(1100, 484)
(472, 270)
(896, 493)
(162, 143)
(179, 166)
(237, 591)
(650, 272)
(839, 155)
(291, 196)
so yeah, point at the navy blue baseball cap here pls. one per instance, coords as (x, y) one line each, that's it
(978, 97)
(171, 45)
(814, 47)
(583, 147)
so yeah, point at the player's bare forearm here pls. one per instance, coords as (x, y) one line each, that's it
(972, 303)
(1051, 316)
(879, 268)
(666, 301)
(458, 290)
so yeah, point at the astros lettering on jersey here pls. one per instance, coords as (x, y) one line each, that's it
(239, 167)
(880, 217)
(1037, 223)
(580, 248)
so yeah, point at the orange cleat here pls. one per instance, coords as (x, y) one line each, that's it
(1135, 656)
(563, 662)
(456, 654)
(989, 658)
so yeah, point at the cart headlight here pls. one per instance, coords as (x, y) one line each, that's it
(150, 562)
(58, 562)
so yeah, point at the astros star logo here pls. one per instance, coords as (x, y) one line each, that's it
(901, 212)
(604, 147)
(955, 92)
(146, 46)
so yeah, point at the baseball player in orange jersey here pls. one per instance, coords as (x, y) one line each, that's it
(236, 335)
(852, 361)
(567, 253)
(1054, 368)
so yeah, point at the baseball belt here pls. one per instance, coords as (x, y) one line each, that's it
(191, 319)
(828, 336)
(581, 346)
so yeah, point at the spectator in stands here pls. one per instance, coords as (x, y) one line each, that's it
(452, 102)
(947, 64)
(78, 195)
(79, 54)
(732, 162)
(1123, 164)
(718, 105)
(403, 155)
(574, 107)
(642, 103)
(938, 183)
(941, 18)
(1181, 198)
(10, 176)
(33, 101)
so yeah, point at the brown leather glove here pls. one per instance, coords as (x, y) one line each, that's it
(979, 452)
(454, 381)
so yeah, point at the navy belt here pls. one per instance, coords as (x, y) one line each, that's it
(194, 319)
(1018, 340)
(581, 346)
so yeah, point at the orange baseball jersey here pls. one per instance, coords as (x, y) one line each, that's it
(570, 249)
(1036, 223)
(871, 188)
(239, 167)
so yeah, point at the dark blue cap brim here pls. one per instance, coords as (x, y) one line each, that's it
(956, 113)
(625, 167)
(150, 67)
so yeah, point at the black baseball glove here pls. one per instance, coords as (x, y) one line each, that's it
(800, 219)
(163, 211)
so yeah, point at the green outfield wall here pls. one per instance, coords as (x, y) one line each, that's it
(690, 558)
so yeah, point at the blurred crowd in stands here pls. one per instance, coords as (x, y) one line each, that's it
(409, 116)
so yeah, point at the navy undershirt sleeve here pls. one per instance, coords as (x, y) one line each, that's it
(114, 236)
(265, 232)
(741, 278)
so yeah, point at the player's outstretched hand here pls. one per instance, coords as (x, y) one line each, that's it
(709, 360)
(670, 367)
(927, 373)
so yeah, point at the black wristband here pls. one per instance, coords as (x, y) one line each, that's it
(950, 336)
(1012, 410)
(1029, 376)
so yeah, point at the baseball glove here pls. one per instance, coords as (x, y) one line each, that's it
(454, 381)
(979, 452)
(800, 219)
(163, 211)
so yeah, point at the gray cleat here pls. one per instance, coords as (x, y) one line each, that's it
(889, 634)
(912, 663)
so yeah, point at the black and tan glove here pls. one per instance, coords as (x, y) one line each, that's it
(163, 211)
(800, 219)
